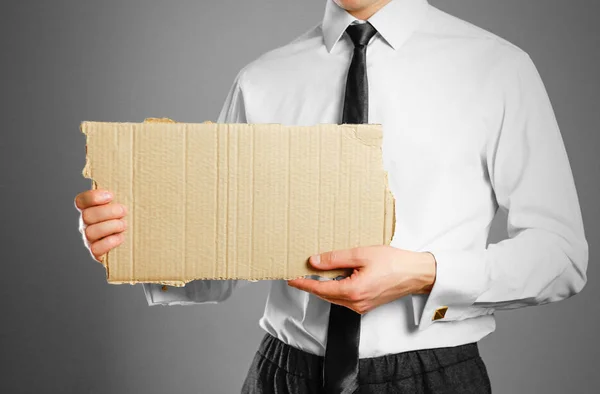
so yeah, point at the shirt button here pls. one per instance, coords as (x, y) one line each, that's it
(440, 313)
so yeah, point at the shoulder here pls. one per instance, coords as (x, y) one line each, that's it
(281, 60)
(472, 39)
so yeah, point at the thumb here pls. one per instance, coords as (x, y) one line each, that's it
(348, 258)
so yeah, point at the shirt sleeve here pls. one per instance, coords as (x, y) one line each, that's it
(545, 257)
(204, 291)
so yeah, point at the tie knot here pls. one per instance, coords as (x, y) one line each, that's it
(361, 33)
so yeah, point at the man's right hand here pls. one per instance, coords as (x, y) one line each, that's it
(101, 221)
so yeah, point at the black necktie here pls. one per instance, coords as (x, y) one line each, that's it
(340, 374)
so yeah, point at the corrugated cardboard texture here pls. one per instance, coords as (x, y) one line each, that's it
(238, 201)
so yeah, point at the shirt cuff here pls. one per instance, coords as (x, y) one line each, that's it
(157, 294)
(461, 277)
(195, 292)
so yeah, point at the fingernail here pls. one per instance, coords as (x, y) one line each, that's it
(106, 195)
(316, 259)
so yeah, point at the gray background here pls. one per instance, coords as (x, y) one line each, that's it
(64, 330)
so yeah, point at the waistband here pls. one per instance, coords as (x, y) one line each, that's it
(371, 370)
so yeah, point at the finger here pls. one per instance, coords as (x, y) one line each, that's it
(332, 289)
(346, 258)
(102, 213)
(90, 198)
(103, 229)
(106, 244)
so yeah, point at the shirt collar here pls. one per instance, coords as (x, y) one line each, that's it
(395, 22)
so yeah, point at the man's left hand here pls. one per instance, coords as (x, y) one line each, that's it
(380, 275)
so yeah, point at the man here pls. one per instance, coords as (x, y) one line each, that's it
(468, 128)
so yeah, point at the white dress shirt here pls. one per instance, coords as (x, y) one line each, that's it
(468, 129)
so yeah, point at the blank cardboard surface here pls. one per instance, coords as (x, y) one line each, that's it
(238, 201)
